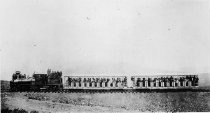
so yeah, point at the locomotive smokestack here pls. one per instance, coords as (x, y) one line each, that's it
(48, 72)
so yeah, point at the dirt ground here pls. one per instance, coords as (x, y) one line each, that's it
(106, 102)
(54, 102)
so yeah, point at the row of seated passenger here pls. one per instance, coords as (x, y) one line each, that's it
(95, 84)
(163, 84)
(167, 81)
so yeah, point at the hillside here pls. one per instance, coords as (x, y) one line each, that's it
(204, 79)
(4, 85)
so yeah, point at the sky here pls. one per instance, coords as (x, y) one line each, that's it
(104, 36)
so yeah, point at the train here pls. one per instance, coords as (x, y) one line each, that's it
(53, 81)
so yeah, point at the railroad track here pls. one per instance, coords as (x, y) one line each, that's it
(119, 91)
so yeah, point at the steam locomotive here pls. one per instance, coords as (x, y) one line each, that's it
(54, 82)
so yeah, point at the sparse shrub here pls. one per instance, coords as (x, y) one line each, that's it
(6, 110)
(34, 112)
(13, 111)
(38, 97)
(63, 100)
(19, 111)
(22, 111)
